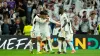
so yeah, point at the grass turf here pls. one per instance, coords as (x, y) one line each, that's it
(27, 53)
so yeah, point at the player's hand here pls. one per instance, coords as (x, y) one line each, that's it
(58, 23)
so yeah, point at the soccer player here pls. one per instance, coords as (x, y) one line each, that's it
(31, 41)
(66, 29)
(35, 32)
(61, 34)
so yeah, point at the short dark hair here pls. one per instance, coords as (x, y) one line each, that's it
(61, 10)
(42, 13)
(84, 17)
(45, 12)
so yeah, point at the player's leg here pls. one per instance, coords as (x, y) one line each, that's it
(31, 45)
(42, 46)
(31, 42)
(59, 45)
(38, 36)
(45, 45)
(69, 39)
(44, 40)
(38, 43)
(50, 45)
(64, 45)
(72, 47)
(47, 34)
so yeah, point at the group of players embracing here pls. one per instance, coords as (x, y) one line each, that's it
(41, 32)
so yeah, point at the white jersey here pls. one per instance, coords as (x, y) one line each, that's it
(44, 27)
(67, 27)
(35, 24)
(35, 28)
(62, 18)
(68, 32)
(70, 15)
(41, 27)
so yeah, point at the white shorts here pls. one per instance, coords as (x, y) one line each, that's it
(69, 37)
(62, 34)
(35, 34)
(44, 35)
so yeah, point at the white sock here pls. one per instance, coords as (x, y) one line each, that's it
(49, 42)
(31, 46)
(38, 46)
(46, 48)
(64, 46)
(59, 46)
(71, 45)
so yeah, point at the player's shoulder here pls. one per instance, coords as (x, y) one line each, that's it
(36, 16)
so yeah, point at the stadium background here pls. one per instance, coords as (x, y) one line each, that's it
(19, 46)
(22, 42)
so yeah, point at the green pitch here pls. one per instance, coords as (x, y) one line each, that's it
(27, 53)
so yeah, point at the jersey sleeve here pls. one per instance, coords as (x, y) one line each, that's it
(51, 20)
(41, 20)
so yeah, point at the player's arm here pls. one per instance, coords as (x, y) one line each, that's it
(41, 20)
(53, 21)
(37, 19)
(65, 22)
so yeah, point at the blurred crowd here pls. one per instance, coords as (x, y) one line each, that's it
(16, 14)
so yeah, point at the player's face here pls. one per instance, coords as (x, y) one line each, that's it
(42, 16)
(46, 16)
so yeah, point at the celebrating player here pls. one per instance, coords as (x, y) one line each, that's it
(35, 32)
(48, 31)
(66, 29)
